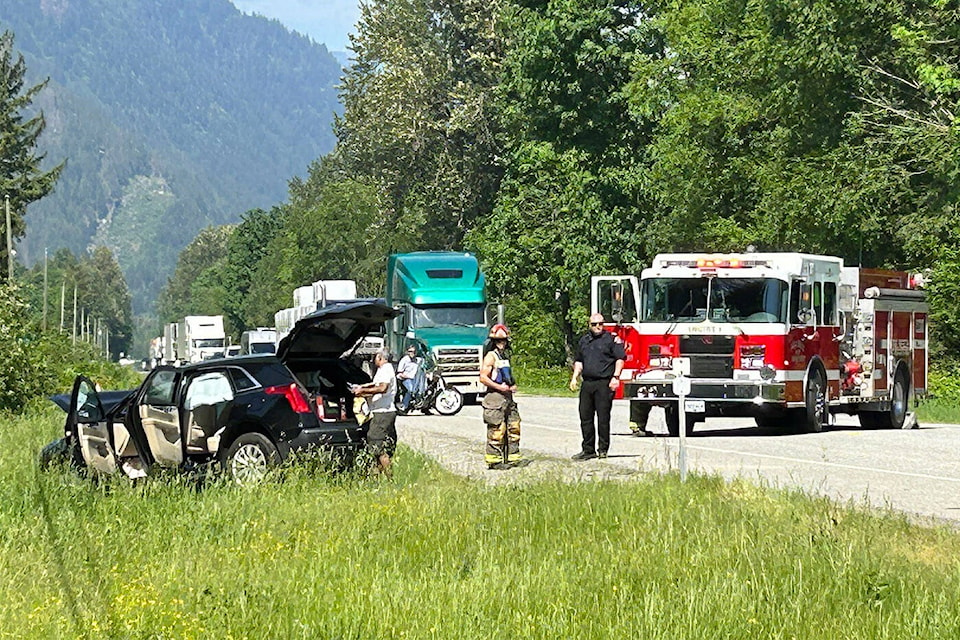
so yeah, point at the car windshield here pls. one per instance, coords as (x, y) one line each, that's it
(466, 315)
(740, 300)
(208, 343)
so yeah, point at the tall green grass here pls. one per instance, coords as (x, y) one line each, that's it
(429, 555)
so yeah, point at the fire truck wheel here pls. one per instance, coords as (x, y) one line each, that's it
(894, 417)
(815, 398)
(672, 417)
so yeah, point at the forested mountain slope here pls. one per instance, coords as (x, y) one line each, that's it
(172, 116)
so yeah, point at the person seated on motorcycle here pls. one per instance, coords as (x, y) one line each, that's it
(409, 374)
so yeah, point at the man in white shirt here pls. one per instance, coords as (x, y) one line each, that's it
(382, 435)
(407, 370)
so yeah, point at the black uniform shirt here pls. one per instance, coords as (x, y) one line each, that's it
(599, 355)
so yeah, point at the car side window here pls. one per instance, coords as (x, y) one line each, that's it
(88, 407)
(209, 388)
(160, 388)
(241, 380)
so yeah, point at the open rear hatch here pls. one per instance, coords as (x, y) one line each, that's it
(315, 351)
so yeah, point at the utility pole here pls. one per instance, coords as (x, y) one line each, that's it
(63, 292)
(6, 199)
(74, 314)
(44, 288)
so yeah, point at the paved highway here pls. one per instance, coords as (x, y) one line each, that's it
(915, 471)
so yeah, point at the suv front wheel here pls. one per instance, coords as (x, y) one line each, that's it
(248, 458)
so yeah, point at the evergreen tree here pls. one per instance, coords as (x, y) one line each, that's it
(21, 178)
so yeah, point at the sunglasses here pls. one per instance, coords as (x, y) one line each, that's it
(596, 324)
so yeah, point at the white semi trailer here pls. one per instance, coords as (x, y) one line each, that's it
(199, 338)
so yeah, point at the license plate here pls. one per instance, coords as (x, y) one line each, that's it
(695, 406)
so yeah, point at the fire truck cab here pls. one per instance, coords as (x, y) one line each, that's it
(787, 338)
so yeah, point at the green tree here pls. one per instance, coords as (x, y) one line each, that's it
(101, 291)
(911, 101)
(21, 178)
(106, 297)
(207, 251)
(757, 138)
(549, 234)
(574, 193)
(247, 246)
(331, 230)
(419, 117)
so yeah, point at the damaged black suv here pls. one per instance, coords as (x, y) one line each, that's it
(244, 414)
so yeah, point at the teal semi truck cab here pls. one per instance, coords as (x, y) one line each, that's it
(443, 298)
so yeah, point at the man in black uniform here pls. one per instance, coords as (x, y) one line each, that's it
(599, 359)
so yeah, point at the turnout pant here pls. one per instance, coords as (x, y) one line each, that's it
(502, 420)
(596, 398)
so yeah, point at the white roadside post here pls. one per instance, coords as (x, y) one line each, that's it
(682, 387)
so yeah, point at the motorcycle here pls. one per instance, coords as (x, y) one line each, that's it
(432, 394)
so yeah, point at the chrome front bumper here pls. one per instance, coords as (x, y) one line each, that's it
(660, 391)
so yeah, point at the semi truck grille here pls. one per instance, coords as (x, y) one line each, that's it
(710, 356)
(453, 359)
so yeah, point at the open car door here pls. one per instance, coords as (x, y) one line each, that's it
(617, 298)
(94, 431)
(158, 414)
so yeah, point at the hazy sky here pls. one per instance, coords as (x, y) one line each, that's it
(326, 21)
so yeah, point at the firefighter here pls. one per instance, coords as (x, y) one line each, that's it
(499, 409)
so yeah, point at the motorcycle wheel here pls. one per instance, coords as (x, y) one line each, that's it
(449, 401)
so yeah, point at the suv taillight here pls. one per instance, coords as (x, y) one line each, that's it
(292, 393)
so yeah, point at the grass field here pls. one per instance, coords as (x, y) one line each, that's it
(429, 555)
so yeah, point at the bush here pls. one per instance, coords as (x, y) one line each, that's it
(536, 338)
(34, 363)
(944, 380)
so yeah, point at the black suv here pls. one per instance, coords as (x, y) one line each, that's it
(245, 413)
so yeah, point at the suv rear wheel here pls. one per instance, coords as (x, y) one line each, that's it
(248, 458)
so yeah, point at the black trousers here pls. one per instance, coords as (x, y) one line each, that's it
(596, 398)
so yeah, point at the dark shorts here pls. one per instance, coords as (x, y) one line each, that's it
(382, 435)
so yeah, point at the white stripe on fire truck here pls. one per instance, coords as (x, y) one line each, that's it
(797, 376)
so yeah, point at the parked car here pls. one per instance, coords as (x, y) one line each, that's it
(244, 414)
(233, 350)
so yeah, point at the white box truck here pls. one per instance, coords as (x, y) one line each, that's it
(200, 337)
(259, 340)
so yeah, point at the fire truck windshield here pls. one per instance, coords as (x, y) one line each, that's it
(740, 300)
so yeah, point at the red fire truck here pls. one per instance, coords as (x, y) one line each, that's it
(787, 338)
